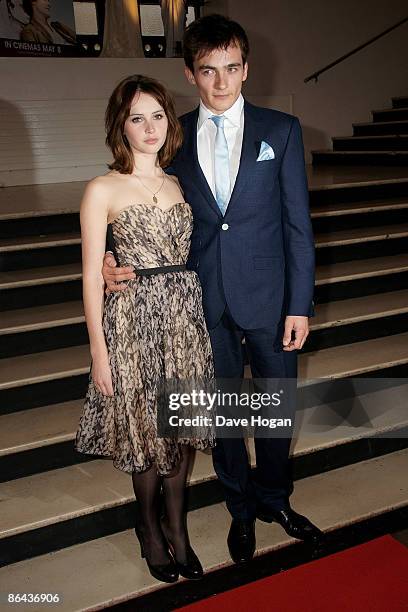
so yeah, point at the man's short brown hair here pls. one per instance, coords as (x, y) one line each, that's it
(210, 33)
(118, 111)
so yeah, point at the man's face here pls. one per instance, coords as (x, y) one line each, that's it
(219, 77)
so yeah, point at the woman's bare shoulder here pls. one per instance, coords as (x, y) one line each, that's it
(105, 181)
(102, 186)
(176, 183)
(173, 178)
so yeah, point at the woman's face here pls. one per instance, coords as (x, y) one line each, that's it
(42, 7)
(146, 126)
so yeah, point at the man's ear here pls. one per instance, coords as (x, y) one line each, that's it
(245, 72)
(189, 76)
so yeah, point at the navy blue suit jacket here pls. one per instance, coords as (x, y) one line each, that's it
(262, 263)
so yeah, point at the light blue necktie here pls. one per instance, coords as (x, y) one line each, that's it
(221, 165)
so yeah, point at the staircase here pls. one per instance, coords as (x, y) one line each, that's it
(66, 519)
(383, 142)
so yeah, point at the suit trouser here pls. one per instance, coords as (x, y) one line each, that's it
(272, 483)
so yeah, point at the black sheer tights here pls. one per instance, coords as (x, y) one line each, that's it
(147, 487)
(175, 526)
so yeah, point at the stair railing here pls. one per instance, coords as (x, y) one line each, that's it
(316, 75)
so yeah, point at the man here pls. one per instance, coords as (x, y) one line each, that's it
(242, 170)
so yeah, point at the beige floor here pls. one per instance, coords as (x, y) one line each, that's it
(59, 198)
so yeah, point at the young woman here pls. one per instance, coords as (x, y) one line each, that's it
(152, 331)
(40, 29)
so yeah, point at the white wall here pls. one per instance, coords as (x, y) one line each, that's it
(292, 39)
(52, 113)
(288, 40)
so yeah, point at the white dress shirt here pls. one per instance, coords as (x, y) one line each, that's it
(206, 132)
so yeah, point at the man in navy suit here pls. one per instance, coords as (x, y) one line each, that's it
(242, 170)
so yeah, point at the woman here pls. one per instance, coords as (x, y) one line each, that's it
(40, 29)
(152, 331)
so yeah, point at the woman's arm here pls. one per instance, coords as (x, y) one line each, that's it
(93, 215)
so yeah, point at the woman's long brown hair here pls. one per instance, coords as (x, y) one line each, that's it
(118, 111)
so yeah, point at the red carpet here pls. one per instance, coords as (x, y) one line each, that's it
(372, 577)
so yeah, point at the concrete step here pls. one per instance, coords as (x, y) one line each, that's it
(400, 102)
(361, 235)
(54, 425)
(354, 310)
(59, 240)
(346, 360)
(363, 268)
(358, 208)
(383, 158)
(354, 359)
(380, 127)
(345, 496)
(97, 487)
(49, 426)
(44, 426)
(25, 243)
(38, 251)
(390, 114)
(380, 142)
(69, 272)
(17, 279)
(346, 184)
(44, 367)
(336, 313)
(41, 317)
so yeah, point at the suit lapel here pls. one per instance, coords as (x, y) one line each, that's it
(250, 149)
(192, 154)
(249, 153)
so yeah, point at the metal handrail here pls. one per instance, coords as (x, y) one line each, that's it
(315, 75)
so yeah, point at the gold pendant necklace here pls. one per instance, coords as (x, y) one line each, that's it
(155, 199)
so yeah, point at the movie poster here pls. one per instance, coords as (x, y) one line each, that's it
(37, 27)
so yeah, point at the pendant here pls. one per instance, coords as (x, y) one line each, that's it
(154, 199)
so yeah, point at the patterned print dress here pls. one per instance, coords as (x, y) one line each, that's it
(154, 330)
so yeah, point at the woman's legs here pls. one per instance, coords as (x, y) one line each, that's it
(174, 486)
(147, 487)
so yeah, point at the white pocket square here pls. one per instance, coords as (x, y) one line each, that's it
(265, 152)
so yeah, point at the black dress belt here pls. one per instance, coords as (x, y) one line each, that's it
(162, 270)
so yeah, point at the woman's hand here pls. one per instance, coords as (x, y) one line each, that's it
(102, 376)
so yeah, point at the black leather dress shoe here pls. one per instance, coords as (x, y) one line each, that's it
(295, 525)
(241, 540)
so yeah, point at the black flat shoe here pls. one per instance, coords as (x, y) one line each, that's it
(296, 525)
(166, 572)
(241, 540)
